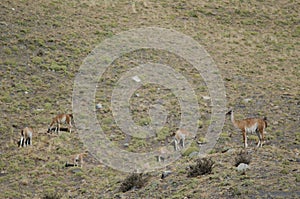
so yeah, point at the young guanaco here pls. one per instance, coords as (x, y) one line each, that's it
(250, 125)
(179, 137)
(163, 154)
(77, 160)
(26, 137)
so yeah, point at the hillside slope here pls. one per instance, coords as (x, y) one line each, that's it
(255, 45)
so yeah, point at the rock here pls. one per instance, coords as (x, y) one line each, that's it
(98, 106)
(247, 100)
(136, 79)
(242, 167)
(193, 154)
(231, 151)
(126, 145)
(206, 97)
(165, 174)
(77, 170)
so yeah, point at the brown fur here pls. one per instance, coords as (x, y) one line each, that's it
(61, 119)
(26, 137)
(251, 125)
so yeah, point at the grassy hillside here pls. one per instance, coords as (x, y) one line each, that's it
(255, 45)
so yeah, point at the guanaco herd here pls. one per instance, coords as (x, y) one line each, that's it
(249, 125)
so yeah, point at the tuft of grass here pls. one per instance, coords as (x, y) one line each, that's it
(52, 195)
(163, 133)
(56, 67)
(190, 150)
(202, 166)
(134, 180)
(297, 176)
(242, 157)
(37, 60)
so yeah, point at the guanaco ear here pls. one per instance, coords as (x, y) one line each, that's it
(229, 111)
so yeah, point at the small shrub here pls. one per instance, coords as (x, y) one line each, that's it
(52, 195)
(243, 157)
(190, 150)
(134, 180)
(203, 166)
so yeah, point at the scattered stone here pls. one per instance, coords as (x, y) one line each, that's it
(3, 173)
(247, 100)
(126, 144)
(225, 149)
(98, 106)
(193, 154)
(242, 167)
(77, 170)
(3, 23)
(136, 79)
(206, 97)
(231, 151)
(165, 174)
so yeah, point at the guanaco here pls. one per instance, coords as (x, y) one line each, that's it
(26, 137)
(179, 137)
(77, 159)
(61, 119)
(163, 154)
(250, 125)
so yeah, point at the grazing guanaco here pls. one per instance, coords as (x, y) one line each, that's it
(250, 125)
(77, 159)
(179, 137)
(26, 137)
(163, 153)
(61, 119)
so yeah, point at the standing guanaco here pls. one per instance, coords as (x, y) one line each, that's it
(26, 137)
(250, 125)
(179, 137)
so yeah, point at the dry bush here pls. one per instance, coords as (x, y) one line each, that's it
(134, 180)
(243, 157)
(52, 195)
(202, 166)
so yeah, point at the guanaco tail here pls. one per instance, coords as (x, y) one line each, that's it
(61, 119)
(26, 137)
(250, 125)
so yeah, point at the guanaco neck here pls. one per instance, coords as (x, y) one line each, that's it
(233, 120)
